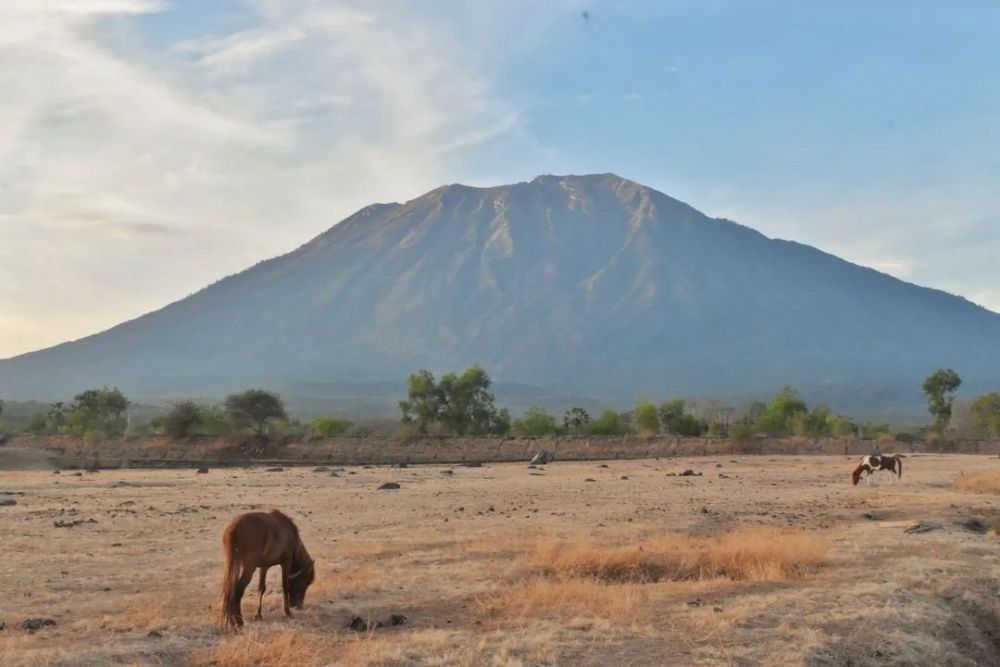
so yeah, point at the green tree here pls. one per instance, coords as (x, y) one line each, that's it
(535, 422)
(98, 412)
(255, 408)
(781, 415)
(423, 400)
(330, 426)
(671, 414)
(985, 412)
(646, 417)
(609, 423)
(182, 420)
(576, 420)
(461, 404)
(940, 387)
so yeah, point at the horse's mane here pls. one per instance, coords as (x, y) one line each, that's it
(282, 515)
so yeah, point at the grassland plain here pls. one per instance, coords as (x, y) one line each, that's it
(765, 560)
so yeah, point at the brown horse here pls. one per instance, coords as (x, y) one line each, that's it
(262, 540)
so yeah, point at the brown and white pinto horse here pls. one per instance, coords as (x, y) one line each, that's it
(875, 462)
(262, 540)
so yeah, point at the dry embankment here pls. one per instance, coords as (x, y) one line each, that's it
(158, 452)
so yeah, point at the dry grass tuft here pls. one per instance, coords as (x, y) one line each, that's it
(584, 598)
(285, 647)
(751, 554)
(982, 482)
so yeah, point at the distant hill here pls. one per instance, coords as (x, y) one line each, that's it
(562, 287)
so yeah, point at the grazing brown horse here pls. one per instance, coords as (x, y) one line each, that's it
(262, 540)
(875, 462)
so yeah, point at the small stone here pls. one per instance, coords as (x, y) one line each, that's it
(396, 619)
(154, 634)
(34, 624)
(388, 486)
(275, 469)
(202, 471)
(321, 469)
(590, 479)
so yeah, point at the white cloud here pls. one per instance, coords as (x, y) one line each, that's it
(133, 175)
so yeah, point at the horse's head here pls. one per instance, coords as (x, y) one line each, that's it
(856, 475)
(299, 581)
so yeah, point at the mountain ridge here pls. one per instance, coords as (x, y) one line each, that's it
(594, 282)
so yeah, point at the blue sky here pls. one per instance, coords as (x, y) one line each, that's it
(149, 148)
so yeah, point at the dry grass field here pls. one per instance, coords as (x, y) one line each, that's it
(758, 561)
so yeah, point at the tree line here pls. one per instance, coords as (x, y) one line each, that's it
(462, 404)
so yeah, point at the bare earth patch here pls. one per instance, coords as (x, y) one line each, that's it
(761, 561)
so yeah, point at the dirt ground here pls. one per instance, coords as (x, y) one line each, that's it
(506, 565)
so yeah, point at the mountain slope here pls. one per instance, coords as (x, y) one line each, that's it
(593, 284)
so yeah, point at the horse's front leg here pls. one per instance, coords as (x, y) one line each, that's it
(261, 589)
(285, 581)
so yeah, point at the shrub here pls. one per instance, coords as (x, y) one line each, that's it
(535, 422)
(609, 423)
(329, 427)
(645, 416)
(182, 419)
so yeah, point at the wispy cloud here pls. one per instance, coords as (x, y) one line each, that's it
(131, 175)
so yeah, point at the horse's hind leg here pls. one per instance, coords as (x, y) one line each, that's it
(261, 589)
(241, 586)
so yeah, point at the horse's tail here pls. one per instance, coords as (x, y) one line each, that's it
(228, 614)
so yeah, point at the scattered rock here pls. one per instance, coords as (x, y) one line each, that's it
(704, 510)
(2, 626)
(473, 464)
(690, 473)
(56, 472)
(718, 465)
(59, 523)
(871, 516)
(974, 525)
(32, 625)
(202, 471)
(671, 474)
(541, 458)
(78, 474)
(447, 472)
(396, 619)
(7, 502)
(321, 469)
(717, 610)
(154, 634)
(922, 527)
(357, 624)
(532, 467)
(623, 477)
(275, 469)
(334, 474)
(603, 465)
(388, 485)
(590, 479)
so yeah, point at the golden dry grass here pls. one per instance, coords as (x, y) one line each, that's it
(779, 561)
(981, 482)
(752, 554)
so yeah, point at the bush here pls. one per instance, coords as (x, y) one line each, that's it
(328, 427)
(609, 423)
(535, 422)
(645, 416)
(182, 419)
